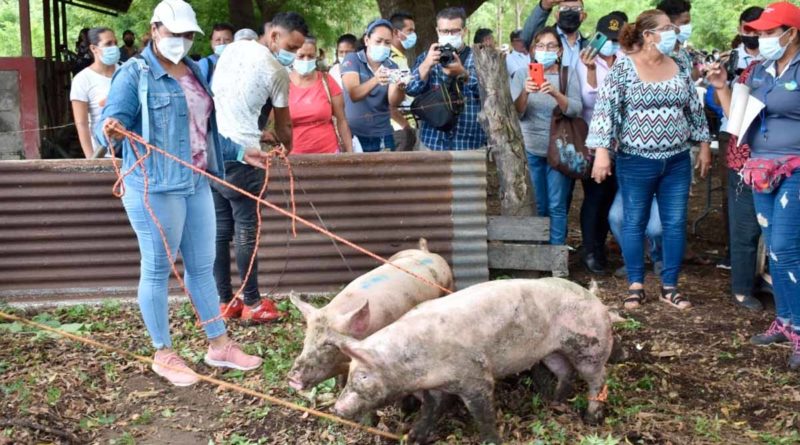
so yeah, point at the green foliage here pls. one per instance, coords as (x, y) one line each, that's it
(594, 439)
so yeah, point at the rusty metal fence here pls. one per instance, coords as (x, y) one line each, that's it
(63, 235)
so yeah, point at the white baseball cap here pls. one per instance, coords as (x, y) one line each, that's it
(177, 16)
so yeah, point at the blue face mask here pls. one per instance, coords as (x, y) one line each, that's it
(667, 44)
(305, 67)
(770, 47)
(609, 48)
(110, 55)
(410, 41)
(686, 32)
(378, 53)
(219, 49)
(546, 58)
(284, 57)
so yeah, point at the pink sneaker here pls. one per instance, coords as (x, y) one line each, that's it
(231, 356)
(170, 366)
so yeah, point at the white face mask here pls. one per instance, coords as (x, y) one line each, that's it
(174, 49)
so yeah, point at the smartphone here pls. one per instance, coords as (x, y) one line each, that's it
(596, 43)
(536, 73)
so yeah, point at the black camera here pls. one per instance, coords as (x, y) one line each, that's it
(448, 55)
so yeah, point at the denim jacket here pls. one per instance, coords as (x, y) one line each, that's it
(169, 127)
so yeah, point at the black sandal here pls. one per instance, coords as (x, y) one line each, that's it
(674, 298)
(635, 298)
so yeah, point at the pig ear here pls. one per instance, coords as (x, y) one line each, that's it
(351, 348)
(357, 321)
(306, 309)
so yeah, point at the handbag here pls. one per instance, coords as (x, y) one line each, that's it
(567, 150)
(766, 175)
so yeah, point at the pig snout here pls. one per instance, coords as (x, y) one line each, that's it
(296, 381)
(347, 405)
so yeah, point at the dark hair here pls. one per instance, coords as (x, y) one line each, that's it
(221, 27)
(94, 35)
(750, 14)
(515, 34)
(621, 14)
(126, 32)
(399, 18)
(481, 34)
(547, 30)
(632, 34)
(347, 38)
(674, 8)
(453, 13)
(290, 21)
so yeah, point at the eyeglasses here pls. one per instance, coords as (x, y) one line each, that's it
(449, 32)
(570, 8)
(548, 47)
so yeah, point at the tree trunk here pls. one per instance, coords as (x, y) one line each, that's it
(242, 14)
(424, 12)
(518, 5)
(499, 120)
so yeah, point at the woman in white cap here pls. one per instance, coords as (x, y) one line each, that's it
(164, 98)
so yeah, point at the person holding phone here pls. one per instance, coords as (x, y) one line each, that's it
(535, 100)
(596, 61)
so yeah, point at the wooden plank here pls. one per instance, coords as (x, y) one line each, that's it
(519, 228)
(542, 257)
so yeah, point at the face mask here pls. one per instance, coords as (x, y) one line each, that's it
(174, 48)
(770, 47)
(110, 55)
(685, 32)
(410, 41)
(219, 48)
(128, 42)
(378, 53)
(305, 67)
(546, 58)
(750, 42)
(454, 41)
(667, 44)
(609, 48)
(284, 57)
(569, 21)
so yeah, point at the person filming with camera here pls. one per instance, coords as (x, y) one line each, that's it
(448, 65)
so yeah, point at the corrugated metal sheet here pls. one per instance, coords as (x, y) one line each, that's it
(63, 235)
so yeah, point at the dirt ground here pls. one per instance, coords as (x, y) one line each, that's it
(691, 378)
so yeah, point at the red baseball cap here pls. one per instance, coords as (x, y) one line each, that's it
(776, 15)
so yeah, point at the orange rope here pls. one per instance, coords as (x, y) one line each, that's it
(220, 383)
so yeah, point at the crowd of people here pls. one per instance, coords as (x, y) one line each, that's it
(636, 92)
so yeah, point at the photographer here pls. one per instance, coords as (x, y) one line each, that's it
(370, 89)
(450, 63)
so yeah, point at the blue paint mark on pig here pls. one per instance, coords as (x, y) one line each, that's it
(373, 281)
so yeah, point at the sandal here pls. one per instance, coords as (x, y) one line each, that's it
(674, 298)
(635, 299)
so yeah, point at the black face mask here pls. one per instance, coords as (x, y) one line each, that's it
(750, 42)
(569, 21)
(128, 42)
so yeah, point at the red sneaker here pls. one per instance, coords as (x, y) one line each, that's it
(232, 309)
(265, 312)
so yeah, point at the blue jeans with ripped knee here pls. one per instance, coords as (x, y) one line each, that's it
(778, 214)
(189, 225)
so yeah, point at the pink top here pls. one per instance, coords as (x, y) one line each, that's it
(199, 104)
(312, 117)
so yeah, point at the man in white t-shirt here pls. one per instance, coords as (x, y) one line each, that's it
(248, 75)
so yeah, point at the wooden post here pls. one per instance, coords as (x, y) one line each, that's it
(48, 21)
(501, 123)
(25, 28)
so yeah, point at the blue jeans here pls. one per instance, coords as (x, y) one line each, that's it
(652, 231)
(639, 180)
(553, 192)
(374, 144)
(744, 233)
(779, 225)
(189, 225)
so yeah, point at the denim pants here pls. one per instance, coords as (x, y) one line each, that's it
(553, 192)
(652, 231)
(778, 214)
(744, 234)
(375, 144)
(597, 199)
(639, 180)
(189, 226)
(237, 221)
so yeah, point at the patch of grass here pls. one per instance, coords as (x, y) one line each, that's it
(536, 402)
(548, 434)
(708, 428)
(79, 311)
(594, 439)
(237, 439)
(110, 371)
(646, 383)
(53, 395)
(142, 419)
(125, 439)
(580, 402)
(629, 324)
(110, 308)
(167, 412)
(258, 413)
(770, 439)
(725, 355)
